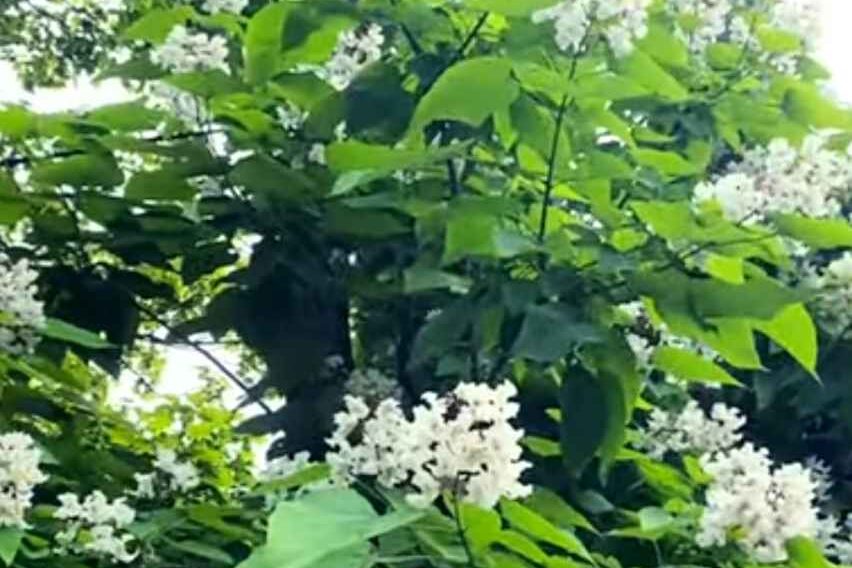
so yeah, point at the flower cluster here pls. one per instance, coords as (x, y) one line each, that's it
(709, 21)
(287, 466)
(832, 301)
(21, 314)
(764, 505)
(621, 22)
(183, 476)
(461, 442)
(290, 117)
(186, 52)
(356, 50)
(19, 474)
(692, 431)
(95, 526)
(232, 6)
(813, 181)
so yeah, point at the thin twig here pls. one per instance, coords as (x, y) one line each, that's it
(185, 339)
(551, 168)
(471, 36)
(471, 562)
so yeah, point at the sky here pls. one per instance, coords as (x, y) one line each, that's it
(180, 375)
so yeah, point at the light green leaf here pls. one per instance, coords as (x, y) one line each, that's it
(156, 24)
(816, 233)
(10, 542)
(794, 330)
(79, 171)
(536, 526)
(63, 331)
(203, 550)
(469, 92)
(263, 42)
(642, 69)
(690, 366)
(805, 553)
(519, 8)
(667, 163)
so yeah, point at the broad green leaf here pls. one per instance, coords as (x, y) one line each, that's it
(326, 528)
(807, 105)
(667, 163)
(263, 42)
(725, 268)
(805, 553)
(161, 184)
(12, 209)
(690, 366)
(639, 67)
(470, 91)
(536, 526)
(543, 447)
(10, 542)
(794, 330)
(79, 171)
(127, 117)
(63, 331)
(17, 122)
(521, 545)
(354, 155)
(419, 279)
(551, 506)
(550, 332)
(519, 8)
(156, 24)
(816, 233)
(481, 526)
(203, 550)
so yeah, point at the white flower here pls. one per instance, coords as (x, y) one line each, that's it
(764, 506)
(798, 17)
(291, 117)
(185, 52)
(183, 476)
(19, 475)
(316, 155)
(104, 521)
(691, 430)
(21, 314)
(813, 181)
(232, 6)
(356, 50)
(461, 442)
(622, 22)
(286, 466)
(144, 485)
(832, 302)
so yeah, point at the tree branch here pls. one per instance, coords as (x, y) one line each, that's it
(551, 168)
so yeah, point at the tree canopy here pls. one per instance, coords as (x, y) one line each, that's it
(510, 283)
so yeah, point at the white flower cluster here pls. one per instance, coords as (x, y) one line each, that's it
(186, 52)
(691, 430)
(232, 6)
(813, 181)
(19, 474)
(764, 505)
(711, 21)
(95, 526)
(836, 539)
(461, 442)
(21, 314)
(290, 117)
(832, 303)
(798, 17)
(288, 466)
(183, 476)
(356, 50)
(621, 22)
(371, 385)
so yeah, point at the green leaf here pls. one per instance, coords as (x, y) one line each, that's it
(469, 92)
(156, 24)
(17, 122)
(10, 542)
(326, 528)
(419, 279)
(521, 545)
(794, 330)
(79, 171)
(551, 331)
(263, 42)
(667, 163)
(203, 550)
(690, 366)
(161, 184)
(63, 331)
(536, 526)
(819, 234)
(12, 209)
(642, 69)
(518, 8)
(589, 414)
(127, 117)
(481, 526)
(805, 553)
(807, 105)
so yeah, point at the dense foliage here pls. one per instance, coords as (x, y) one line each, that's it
(511, 283)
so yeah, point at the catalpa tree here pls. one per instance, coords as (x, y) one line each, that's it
(499, 284)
